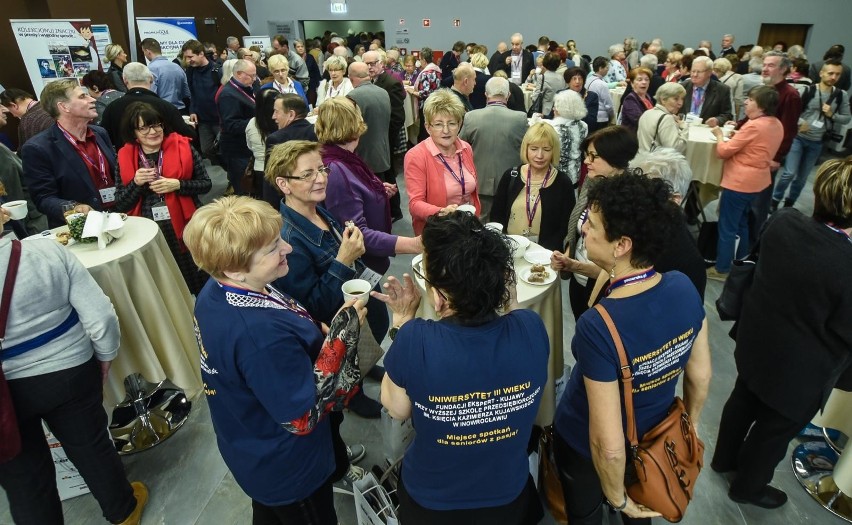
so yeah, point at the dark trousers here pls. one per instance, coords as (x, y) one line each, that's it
(526, 509)
(760, 209)
(316, 509)
(70, 402)
(389, 176)
(236, 166)
(753, 439)
(581, 486)
(579, 295)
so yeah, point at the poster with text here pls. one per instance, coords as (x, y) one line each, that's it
(54, 49)
(286, 28)
(171, 32)
(102, 40)
(265, 42)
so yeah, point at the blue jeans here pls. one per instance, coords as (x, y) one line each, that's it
(733, 221)
(800, 160)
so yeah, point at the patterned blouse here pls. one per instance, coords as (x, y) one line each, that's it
(428, 81)
(571, 136)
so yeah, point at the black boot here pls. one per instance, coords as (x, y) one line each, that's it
(788, 203)
(774, 205)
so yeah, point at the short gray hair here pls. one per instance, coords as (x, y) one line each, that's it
(650, 61)
(231, 39)
(667, 164)
(335, 62)
(707, 62)
(615, 48)
(785, 63)
(722, 65)
(497, 87)
(669, 90)
(728, 35)
(227, 70)
(755, 65)
(569, 104)
(242, 65)
(796, 51)
(137, 73)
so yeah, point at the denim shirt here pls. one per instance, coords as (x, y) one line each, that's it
(315, 275)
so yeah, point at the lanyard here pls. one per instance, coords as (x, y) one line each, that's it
(281, 89)
(143, 160)
(636, 278)
(838, 230)
(242, 91)
(85, 156)
(459, 178)
(496, 103)
(531, 212)
(274, 296)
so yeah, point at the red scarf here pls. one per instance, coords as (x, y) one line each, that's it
(177, 164)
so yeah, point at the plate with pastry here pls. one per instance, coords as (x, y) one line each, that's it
(538, 275)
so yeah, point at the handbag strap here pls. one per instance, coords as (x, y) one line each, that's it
(9, 286)
(626, 376)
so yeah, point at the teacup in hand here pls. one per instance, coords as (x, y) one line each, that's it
(357, 289)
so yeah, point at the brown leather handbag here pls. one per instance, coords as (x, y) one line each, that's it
(670, 456)
(549, 483)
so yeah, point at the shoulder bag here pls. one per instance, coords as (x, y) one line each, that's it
(670, 456)
(654, 144)
(538, 104)
(729, 305)
(10, 436)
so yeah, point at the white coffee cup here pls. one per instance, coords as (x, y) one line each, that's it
(356, 289)
(727, 130)
(496, 226)
(469, 208)
(17, 209)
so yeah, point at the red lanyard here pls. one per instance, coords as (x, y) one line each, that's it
(143, 160)
(631, 279)
(242, 91)
(100, 166)
(531, 212)
(459, 178)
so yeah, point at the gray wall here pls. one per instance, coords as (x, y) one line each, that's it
(594, 24)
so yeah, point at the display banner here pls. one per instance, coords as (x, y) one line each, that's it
(171, 32)
(102, 40)
(55, 49)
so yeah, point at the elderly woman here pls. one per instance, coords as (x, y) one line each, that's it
(745, 174)
(662, 126)
(608, 152)
(630, 219)
(117, 58)
(439, 171)
(337, 85)
(674, 67)
(480, 64)
(102, 89)
(734, 81)
(796, 312)
(282, 83)
(257, 130)
(550, 82)
(354, 192)
(161, 177)
(58, 347)
(263, 363)
(409, 65)
(427, 81)
(638, 101)
(569, 111)
(575, 79)
(449, 475)
(535, 198)
(616, 74)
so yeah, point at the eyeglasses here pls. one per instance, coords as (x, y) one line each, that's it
(417, 269)
(156, 128)
(699, 71)
(372, 64)
(450, 126)
(311, 176)
(592, 155)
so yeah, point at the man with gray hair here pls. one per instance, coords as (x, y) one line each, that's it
(706, 97)
(727, 45)
(516, 62)
(138, 79)
(236, 108)
(233, 45)
(464, 80)
(375, 106)
(681, 254)
(495, 133)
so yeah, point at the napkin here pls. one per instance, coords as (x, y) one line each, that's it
(104, 226)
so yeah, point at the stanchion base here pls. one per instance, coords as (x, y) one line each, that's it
(150, 421)
(813, 465)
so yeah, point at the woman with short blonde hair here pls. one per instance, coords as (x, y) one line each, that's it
(337, 85)
(279, 66)
(117, 58)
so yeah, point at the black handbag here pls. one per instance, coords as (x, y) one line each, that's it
(730, 301)
(538, 104)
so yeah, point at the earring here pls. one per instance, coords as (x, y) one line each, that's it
(243, 279)
(612, 271)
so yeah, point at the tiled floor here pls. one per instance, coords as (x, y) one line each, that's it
(190, 484)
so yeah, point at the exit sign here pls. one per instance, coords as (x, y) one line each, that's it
(338, 8)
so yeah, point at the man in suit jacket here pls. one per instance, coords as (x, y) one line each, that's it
(236, 108)
(138, 79)
(71, 161)
(707, 98)
(289, 114)
(517, 62)
(381, 78)
(375, 107)
(495, 133)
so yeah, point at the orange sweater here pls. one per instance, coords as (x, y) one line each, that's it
(748, 153)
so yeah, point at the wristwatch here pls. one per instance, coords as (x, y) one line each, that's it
(392, 332)
(620, 507)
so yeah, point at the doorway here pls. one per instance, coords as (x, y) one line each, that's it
(344, 28)
(788, 34)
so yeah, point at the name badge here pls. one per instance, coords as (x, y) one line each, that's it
(107, 195)
(516, 76)
(370, 276)
(817, 124)
(161, 213)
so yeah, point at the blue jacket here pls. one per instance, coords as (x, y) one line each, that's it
(204, 82)
(296, 85)
(55, 174)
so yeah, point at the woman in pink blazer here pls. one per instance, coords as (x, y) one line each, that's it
(439, 172)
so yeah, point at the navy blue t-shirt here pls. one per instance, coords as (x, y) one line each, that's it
(475, 393)
(257, 368)
(658, 328)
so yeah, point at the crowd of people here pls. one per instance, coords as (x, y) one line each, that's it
(312, 138)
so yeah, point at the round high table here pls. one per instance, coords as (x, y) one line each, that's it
(546, 301)
(706, 165)
(155, 312)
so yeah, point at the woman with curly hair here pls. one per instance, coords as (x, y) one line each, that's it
(450, 475)
(631, 218)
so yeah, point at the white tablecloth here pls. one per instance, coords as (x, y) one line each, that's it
(616, 94)
(545, 300)
(154, 307)
(706, 165)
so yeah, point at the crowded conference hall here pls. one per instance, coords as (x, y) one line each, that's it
(425, 267)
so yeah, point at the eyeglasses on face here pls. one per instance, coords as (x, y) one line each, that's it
(372, 64)
(310, 176)
(155, 128)
(451, 126)
(592, 155)
(417, 268)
